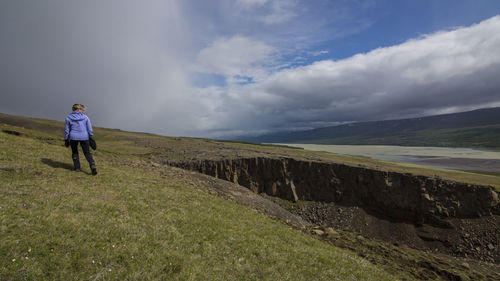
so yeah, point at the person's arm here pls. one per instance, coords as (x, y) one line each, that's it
(66, 133)
(66, 130)
(89, 128)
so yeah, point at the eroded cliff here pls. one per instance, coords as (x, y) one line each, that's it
(424, 212)
(396, 195)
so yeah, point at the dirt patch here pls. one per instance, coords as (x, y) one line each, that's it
(11, 132)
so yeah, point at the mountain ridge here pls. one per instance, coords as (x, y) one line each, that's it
(455, 129)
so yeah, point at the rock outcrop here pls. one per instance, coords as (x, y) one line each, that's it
(408, 197)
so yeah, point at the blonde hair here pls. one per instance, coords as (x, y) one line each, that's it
(78, 107)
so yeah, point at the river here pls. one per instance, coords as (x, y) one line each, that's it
(438, 157)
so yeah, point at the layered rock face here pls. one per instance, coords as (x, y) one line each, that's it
(407, 197)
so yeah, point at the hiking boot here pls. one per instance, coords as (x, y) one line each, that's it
(76, 162)
(94, 171)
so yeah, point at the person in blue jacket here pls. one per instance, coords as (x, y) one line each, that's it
(79, 131)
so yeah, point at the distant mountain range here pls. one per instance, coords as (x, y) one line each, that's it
(478, 128)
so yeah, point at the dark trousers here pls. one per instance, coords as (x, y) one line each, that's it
(86, 152)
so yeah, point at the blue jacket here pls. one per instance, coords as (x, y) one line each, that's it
(78, 127)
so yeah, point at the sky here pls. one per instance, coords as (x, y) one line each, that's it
(227, 68)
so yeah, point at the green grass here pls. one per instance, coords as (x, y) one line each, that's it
(484, 137)
(259, 144)
(491, 179)
(138, 222)
(496, 174)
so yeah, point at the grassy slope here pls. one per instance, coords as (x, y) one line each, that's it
(478, 137)
(478, 128)
(471, 177)
(158, 148)
(137, 222)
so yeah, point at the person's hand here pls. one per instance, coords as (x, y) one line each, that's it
(66, 143)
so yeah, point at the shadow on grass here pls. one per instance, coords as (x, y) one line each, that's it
(57, 164)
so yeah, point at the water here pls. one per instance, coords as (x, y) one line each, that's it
(439, 157)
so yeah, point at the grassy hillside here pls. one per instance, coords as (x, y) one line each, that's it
(162, 149)
(472, 137)
(138, 221)
(479, 128)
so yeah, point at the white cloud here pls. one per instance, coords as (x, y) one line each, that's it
(453, 70)
(318, 53)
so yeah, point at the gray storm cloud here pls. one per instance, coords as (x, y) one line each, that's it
(123, 59)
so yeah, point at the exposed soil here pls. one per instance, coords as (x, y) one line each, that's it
(469, 238)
